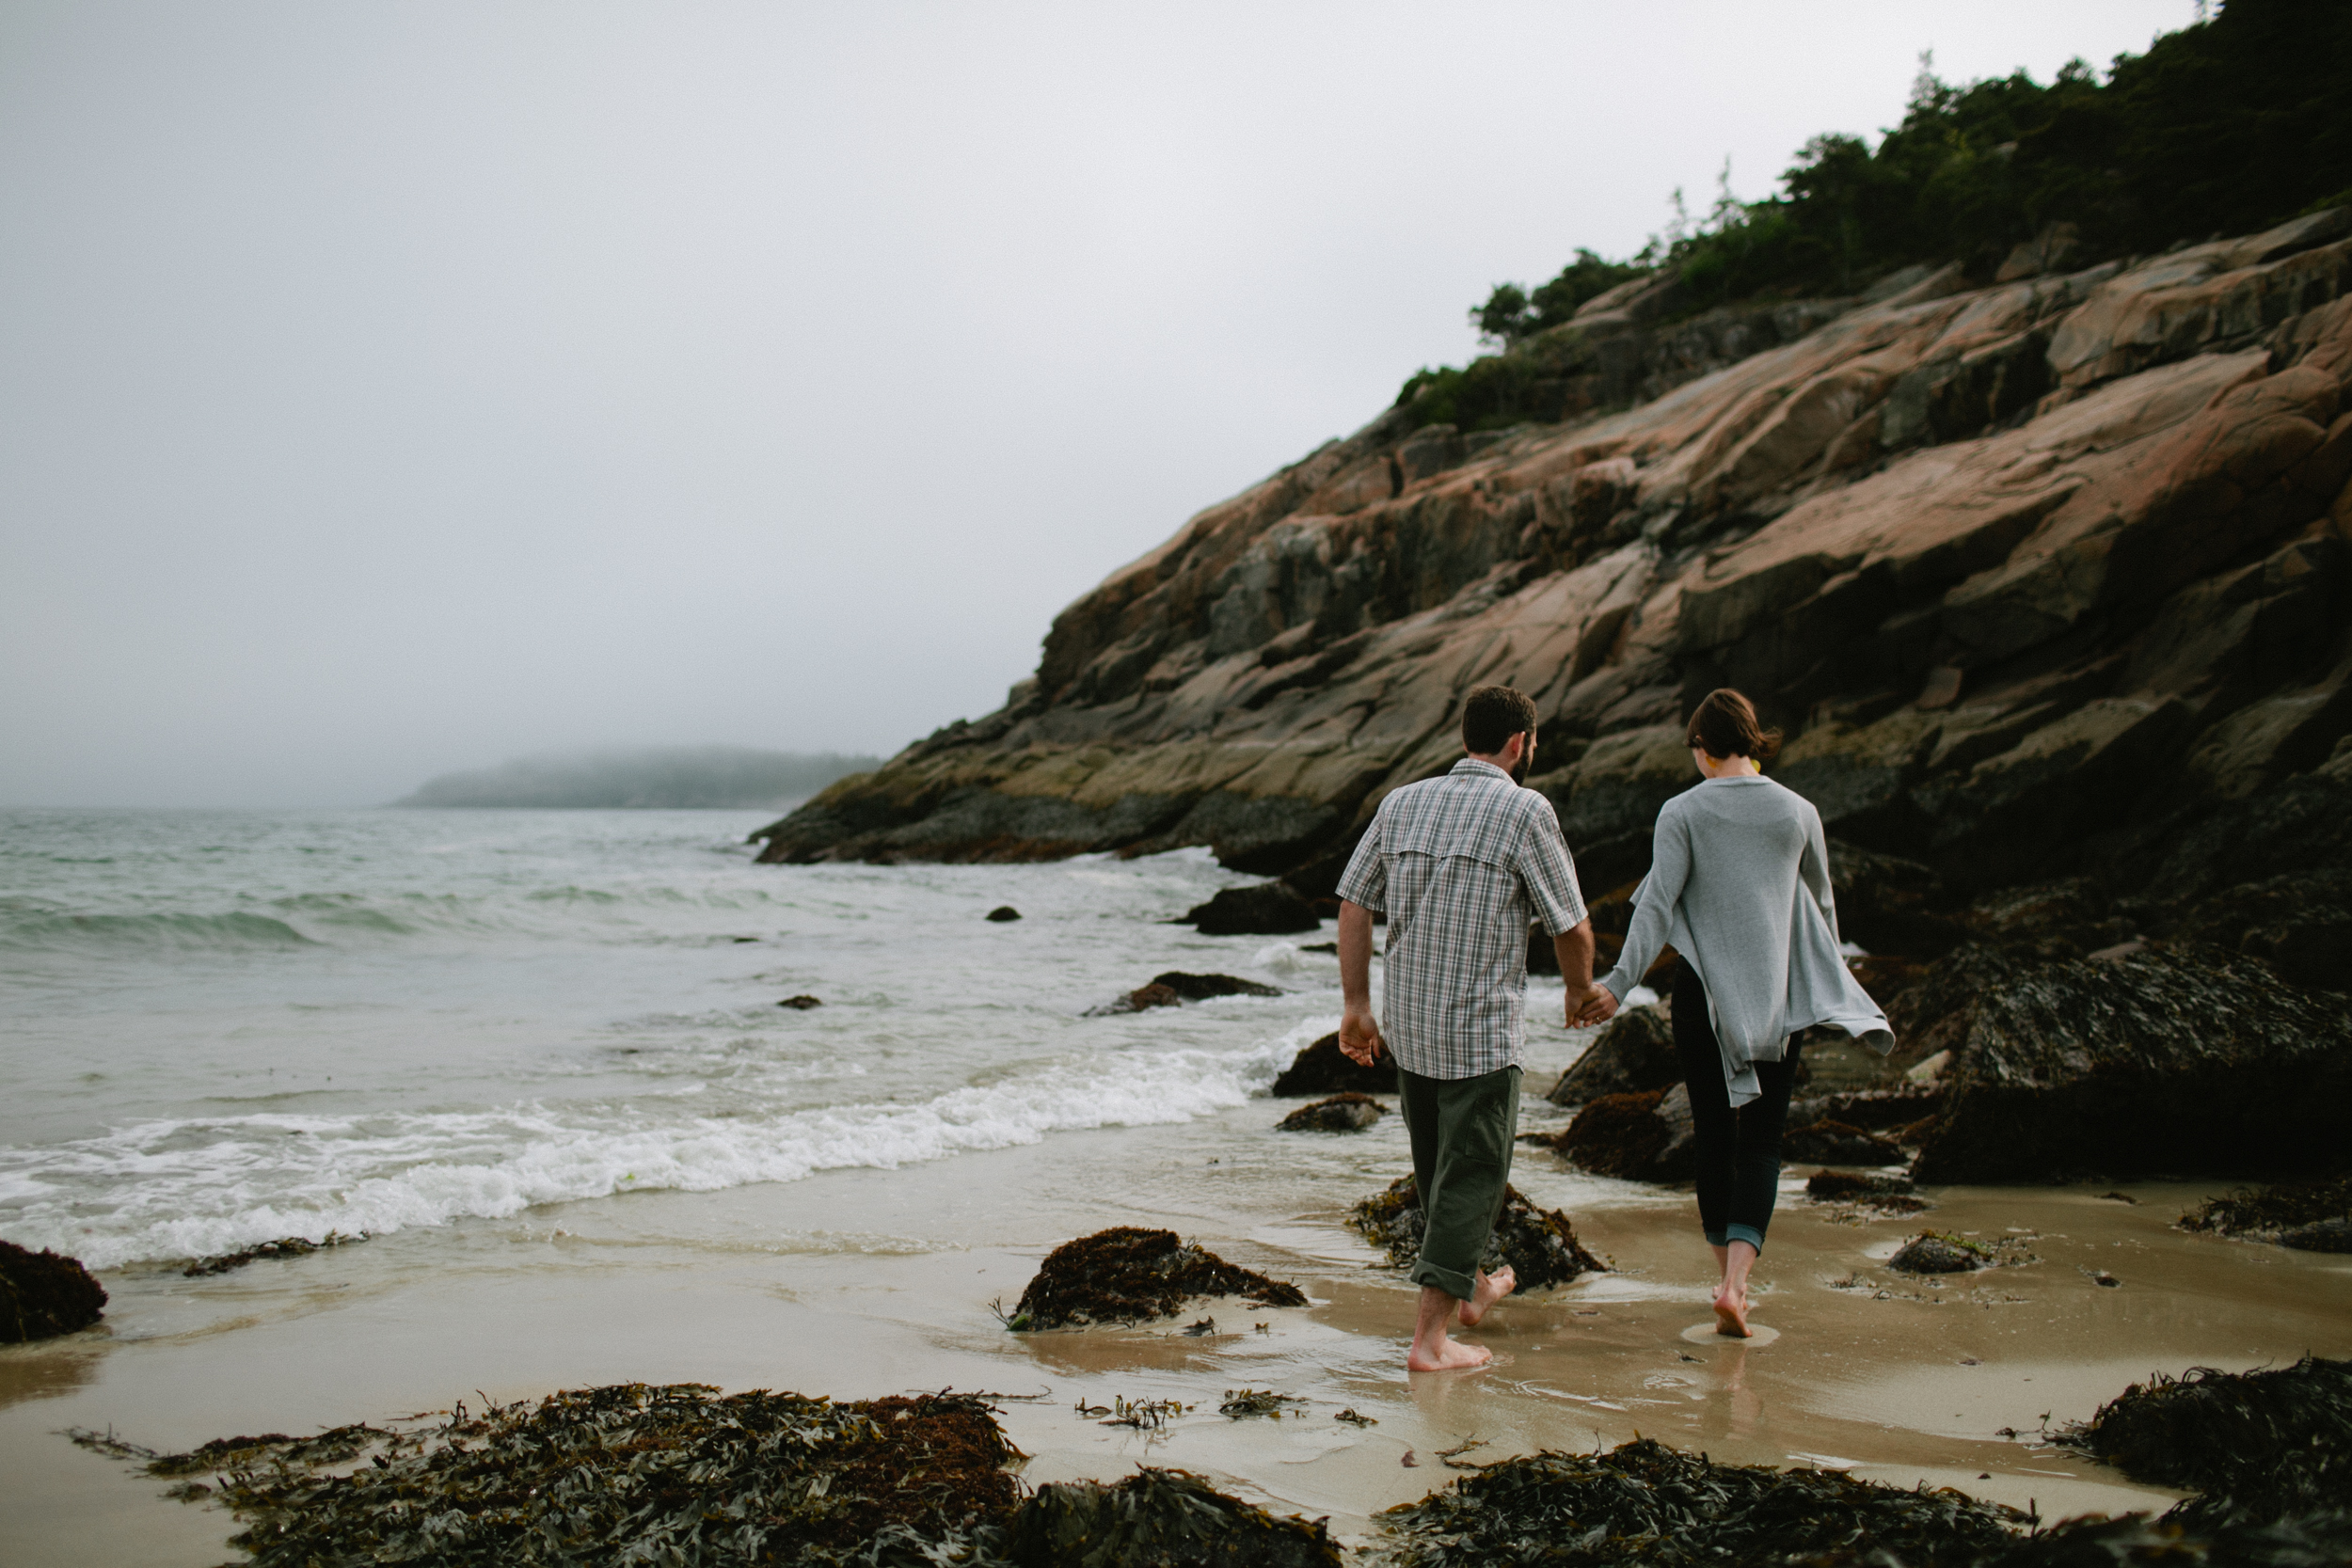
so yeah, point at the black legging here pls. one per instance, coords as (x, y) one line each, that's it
(1738, 1152)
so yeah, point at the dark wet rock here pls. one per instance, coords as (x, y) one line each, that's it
(2171, 1058)
(801, 1003)
(43, 1295)
(2257, 1445)
(1841, 1186)
(1342, 1112)
(1634, 1052)
(1929, 1253)
(1835, 1143)
(290, 1247)
(1167, 990)
(2318, 1236)
(1323, 1068)
(1262, 909)
(1640, 1137)
(630, 1473)
(2266, 1210)
(1540, 1245)
(1889, 905)
(1129, 1273)
(1644, 1503)
(1872, 1110)
(1003, 912)
(1166, 1518)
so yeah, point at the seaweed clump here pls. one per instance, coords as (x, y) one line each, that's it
(2258, 1445)
(626, 1473)
(1160, 1518)
(1643, 1502)
(44, 1293)
(1342, 1112)
(2276, 1211)
(1539, 1243)
(1129, 1273)
(290, 1247)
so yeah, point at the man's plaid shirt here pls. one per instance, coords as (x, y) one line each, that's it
(1461, 864)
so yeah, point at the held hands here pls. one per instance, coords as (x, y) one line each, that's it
(1595, 1004)
(1360, 1037)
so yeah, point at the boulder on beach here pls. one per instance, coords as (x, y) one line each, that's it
(43, 1295)
(1887, 1194)
(1634, 1052)
(1160, 1516)
(1323, 1068)
(1889, 1111)
(2171, 1058)
(1129, 1273)
(1540, 1245)
(1639, 1137)
(1262, 909)
(1930, 1253)
(1342, 1112)
(2271, 1212)
(1835, 1143)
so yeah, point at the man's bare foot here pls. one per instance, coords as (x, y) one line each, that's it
(1447, 1355)
(1488, 1290)
(1731, 1312)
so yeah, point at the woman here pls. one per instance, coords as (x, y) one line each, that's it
(1738, 884)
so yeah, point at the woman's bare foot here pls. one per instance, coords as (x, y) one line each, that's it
(1490, 1289)
(1731, 1311)
(1446, 1355)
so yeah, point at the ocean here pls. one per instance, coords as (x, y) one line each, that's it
(227, 1027)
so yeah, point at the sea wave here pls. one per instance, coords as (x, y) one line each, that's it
(44, 930)
(161, 1190)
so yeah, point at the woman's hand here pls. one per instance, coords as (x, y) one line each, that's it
(1360, 1037)
(1597, 1003)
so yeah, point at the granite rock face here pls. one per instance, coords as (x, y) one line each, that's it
(2038, 577)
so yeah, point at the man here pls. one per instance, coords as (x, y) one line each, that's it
(1460, 865)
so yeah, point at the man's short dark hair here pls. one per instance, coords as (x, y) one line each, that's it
(1493, 715)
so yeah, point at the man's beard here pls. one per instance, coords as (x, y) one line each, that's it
(1518, 768)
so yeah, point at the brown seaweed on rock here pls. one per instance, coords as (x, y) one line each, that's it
(2273, 1209)
(1129, 1273)
(2168, 1059)
(1639, 1137)
(636, 1473)
(1539, 1243)
(2258, 1446)
(1162, 1519)
(43, 1295)
(1643, 1502)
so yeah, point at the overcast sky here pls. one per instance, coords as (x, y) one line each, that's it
(393, 388)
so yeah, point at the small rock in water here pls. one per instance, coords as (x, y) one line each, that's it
(1168, 990)
(1342, 1112)
(1138, 1000)
(1836, 1142)
(1929, 1253)
(2319, 1236)
(2117, 1197)
(1003, 912)
(43, 1295)
(1265, 909)
(1838, 1186)
(1130, 1275)
(800, 1003)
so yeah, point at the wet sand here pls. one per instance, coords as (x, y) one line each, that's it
(864, 1282)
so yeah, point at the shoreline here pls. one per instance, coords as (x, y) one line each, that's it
(862, 1283)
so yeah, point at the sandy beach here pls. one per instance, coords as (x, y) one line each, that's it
(855, 1284)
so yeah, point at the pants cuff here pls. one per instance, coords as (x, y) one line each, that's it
(1747, 1233)
(1452, 1281)
(1717, 1238)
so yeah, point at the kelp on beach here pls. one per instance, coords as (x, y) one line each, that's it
(1130, 1273)
(2258, 1445)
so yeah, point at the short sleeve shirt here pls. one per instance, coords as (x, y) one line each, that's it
(1461, 864)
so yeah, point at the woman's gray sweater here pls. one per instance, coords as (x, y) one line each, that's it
(1738, 883)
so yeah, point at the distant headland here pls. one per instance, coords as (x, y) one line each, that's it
(648, 778)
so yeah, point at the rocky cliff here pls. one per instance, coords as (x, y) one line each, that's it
(2043, 578)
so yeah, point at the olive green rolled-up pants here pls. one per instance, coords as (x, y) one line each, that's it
(1462, 1131)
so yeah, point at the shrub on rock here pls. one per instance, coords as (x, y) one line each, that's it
(1342, 1112)
(43, 1295)
(1129, 1273)
(1323, 1068)
(1540, 1245)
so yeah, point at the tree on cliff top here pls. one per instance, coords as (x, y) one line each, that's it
(2226, 127)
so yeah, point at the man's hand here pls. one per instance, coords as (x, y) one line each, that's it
(1595, 1004)
(1360, 1037)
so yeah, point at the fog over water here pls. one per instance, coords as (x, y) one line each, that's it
(391, 390)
